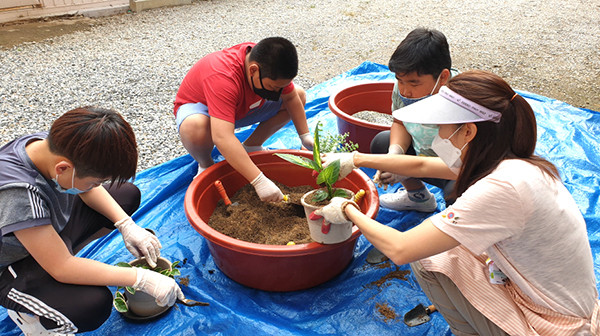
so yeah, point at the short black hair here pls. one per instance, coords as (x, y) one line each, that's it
(423, 50)
(276, 57)
(98, 141)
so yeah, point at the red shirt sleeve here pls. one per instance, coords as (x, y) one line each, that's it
(288, 88)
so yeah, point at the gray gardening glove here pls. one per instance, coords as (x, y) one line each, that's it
(334, 211)
(382, 178)
(346, 162)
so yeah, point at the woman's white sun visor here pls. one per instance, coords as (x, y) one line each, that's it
(446, 107)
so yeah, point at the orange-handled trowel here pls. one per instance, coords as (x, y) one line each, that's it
(223, 193)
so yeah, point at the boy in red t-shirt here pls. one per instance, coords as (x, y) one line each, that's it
(237, 87)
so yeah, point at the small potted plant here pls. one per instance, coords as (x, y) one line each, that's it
(140, 305)
(321, 231)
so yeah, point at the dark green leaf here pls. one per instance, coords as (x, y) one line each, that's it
(120, 305)
(317, 148)
(319, 196)
(119, 295)
(330, 174)
(340, 193)
(131, 290)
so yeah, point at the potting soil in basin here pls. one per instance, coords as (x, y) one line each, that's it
(272, 223)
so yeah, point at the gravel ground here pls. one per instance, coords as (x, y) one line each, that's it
(135, 62)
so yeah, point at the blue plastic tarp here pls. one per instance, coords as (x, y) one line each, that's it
(347, 304)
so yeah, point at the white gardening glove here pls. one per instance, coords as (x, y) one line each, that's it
(391, 178)
(395, 149)
(163, 288)
(382, 178)
(139, 241)
(307, 141)
(334, 211)
(266, 189)
(346, 162)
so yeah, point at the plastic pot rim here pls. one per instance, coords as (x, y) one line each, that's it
(349, 118)
(228, 242)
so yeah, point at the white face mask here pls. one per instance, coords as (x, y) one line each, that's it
(447, 152)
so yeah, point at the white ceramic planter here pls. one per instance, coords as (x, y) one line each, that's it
(328, 233)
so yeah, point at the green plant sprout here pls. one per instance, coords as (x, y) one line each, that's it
(325, 176)
(337, 143)
(119, 301)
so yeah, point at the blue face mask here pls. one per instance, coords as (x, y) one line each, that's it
(407, 101)
(72, 190)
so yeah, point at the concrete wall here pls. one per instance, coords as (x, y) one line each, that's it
(15, 10)
(140, 5)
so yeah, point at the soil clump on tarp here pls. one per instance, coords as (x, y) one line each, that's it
(271, 223)
(386, 311)
(384, 281)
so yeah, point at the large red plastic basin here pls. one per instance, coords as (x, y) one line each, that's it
(272, 267)
(366, 96)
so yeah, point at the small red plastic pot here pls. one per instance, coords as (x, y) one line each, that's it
(278, 268)
(369, 96)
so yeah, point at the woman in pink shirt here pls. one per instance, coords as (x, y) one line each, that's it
(511, 256)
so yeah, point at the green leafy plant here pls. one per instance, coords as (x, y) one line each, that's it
(120, 302)
(325, 176)
(337, 143)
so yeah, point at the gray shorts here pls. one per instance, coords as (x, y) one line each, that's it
(260, 114)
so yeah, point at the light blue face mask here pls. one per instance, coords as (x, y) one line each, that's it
(407, 101)
(72, 190)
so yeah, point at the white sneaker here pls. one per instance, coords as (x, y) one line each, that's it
(30, 324)
(399, 201)
(200, 170)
